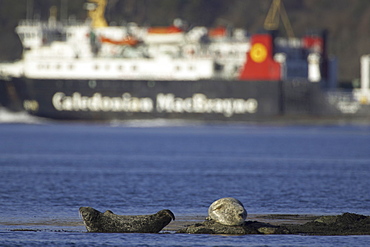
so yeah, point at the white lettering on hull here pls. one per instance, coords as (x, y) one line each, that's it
(199, 103)
(97, 103)
(166, 103)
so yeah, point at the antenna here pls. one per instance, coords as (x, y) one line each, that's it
(29, 9)
(63, 10)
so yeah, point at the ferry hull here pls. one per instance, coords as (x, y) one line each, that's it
(208, 100)
(9, 96)
(114, 99)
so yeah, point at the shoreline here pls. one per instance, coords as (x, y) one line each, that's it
(274, 219)
(301, 224)
(179, 223)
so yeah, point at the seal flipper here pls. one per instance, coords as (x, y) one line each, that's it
(159, 220)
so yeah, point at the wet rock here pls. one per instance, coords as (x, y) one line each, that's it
(249, 227)
(345, 224)
(326, 219)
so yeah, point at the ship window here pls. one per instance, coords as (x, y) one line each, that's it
(134, 68)
(96, 67)
(58, 66)
(177, 68)
(191, 68)
(107, 67)
(71, 66)
(120, 67)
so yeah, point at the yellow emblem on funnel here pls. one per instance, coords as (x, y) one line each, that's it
(258, 53)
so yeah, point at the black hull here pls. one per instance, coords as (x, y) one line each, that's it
(194, 100)
(9, 96)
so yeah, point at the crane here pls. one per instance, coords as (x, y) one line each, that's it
(272, 20)
(96, 9)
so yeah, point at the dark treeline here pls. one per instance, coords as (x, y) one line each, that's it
(348, 21)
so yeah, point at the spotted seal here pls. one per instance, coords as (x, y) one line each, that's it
(227, 211)
(96, 221)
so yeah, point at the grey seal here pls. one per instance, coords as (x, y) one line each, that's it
(96, 221)
(227, 211)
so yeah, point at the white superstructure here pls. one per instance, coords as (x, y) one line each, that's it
(363, 93)
(85, 51)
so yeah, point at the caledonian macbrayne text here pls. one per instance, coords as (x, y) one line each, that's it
(167, 103)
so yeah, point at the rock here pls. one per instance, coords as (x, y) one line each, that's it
(248, 227)
(345, 224)
(326, 219)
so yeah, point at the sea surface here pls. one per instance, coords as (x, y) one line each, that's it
(50, 169)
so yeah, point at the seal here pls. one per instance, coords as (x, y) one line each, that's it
(227, 211)
(96, 221)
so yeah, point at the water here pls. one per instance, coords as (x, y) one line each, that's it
(48, 170)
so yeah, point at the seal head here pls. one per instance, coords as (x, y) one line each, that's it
(96, 221)
(227, 211)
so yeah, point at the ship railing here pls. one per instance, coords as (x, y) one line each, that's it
(46, 24)
(32, 23)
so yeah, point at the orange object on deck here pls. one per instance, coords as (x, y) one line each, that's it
(164, 30)
(217, 32)
(126, 41)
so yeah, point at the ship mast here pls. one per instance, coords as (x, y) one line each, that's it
(29, 11)
(272, 20)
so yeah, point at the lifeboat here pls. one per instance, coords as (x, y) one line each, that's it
(163, 35)
(164, 30)
(218, 32)
(130, 41)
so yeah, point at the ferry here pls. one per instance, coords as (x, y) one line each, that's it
(92, 71)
